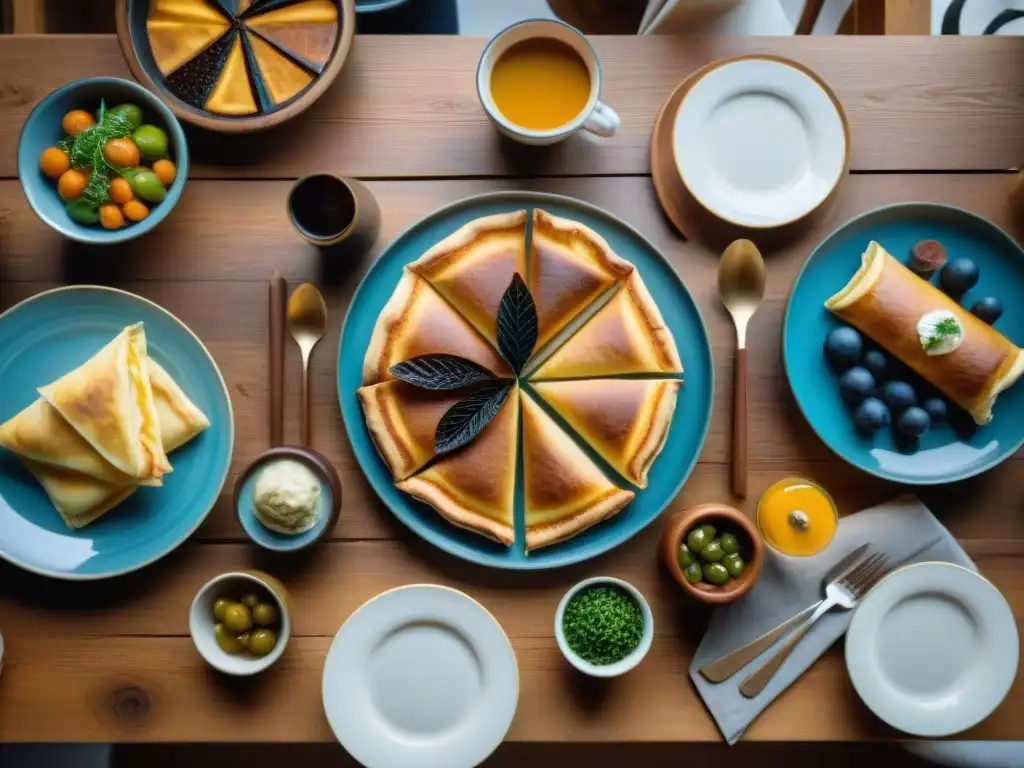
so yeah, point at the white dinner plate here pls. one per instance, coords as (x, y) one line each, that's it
(760, 142)
(418, 677)
(932, 650)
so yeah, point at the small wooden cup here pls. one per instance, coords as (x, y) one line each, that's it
(681, 523)
(328, 210)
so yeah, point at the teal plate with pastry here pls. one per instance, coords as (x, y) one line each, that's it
(525, 380)
(116, 433)
(900, 343)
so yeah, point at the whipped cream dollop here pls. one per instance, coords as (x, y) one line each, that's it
(940, 332)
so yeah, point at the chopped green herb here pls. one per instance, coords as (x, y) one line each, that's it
(86, 151)
(945, 328)
(602, 625)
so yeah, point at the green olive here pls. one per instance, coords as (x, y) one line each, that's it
(734, 564)
(264, 614)
(709, 531)
(244, 638)
(715, 573)
(151, 141)
(250, 600)
(131, 112)
(685, 556)
(697, 539)
(693, 572)
(712, 553)
(237, 617)
(730, 544)
(220, 605)
(262, 641)
(227, 640)
(82, 212)
(147, 186)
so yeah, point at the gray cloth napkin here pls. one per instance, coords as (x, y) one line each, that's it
(904, 528)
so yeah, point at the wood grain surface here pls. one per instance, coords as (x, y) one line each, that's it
(113, 661)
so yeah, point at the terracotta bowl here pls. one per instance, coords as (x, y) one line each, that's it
(683, 522)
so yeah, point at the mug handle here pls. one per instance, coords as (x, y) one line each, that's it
(602, 120)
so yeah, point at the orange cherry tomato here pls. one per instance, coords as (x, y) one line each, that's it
(71, 184)
(135, 210)
(121, 152)
(111, 216)
(54, 161)
(76, 121)
(121, 191)
(165, 171)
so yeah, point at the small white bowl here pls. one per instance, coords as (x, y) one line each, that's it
(201, 622)
(620, 667)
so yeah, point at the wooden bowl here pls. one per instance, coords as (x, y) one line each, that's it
(681, 523)
(278, 66)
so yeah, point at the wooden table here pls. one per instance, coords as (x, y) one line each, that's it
(932, 119)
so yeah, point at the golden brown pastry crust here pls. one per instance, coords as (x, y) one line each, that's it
(78, 499)
(180, 419)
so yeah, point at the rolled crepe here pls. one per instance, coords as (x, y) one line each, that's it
(886, 300)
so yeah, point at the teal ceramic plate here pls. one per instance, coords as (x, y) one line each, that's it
(48, 335)
(944, 455)
(689, 425)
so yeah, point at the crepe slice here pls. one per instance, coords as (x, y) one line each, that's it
(78, 499)
(472, 267)
(474, 487)
(108, 400)
(624, 420)
(885, 301)
(180, 419)
(417, 321)
(571, 266)
(179, 29)
(402, 420)
(627, 335)
(565, 492)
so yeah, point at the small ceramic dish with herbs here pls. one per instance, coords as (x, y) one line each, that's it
(604, 626)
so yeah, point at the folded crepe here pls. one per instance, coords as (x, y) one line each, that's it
(474, 486)
(624, 420)
(472, 267)
(78, 499)
(179, 418)
(109, 402)
(565, 492)
(627, 335)
(417, 321)
(885, 300)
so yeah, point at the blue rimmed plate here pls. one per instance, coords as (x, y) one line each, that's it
(689, 425)
(944, 455)
(48, 335)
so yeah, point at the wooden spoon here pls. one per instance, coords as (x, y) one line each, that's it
(741, 287)
(307, 322)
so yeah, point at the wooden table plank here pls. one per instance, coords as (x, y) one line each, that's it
(407, 106)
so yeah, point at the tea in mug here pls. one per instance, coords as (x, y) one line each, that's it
(540, 84)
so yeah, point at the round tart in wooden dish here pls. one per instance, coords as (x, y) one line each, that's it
(236, 65)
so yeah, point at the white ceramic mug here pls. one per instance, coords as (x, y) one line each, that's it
(595, 117)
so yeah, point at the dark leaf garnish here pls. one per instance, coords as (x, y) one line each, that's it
(468, 417)
(517, 324)
(440, 372)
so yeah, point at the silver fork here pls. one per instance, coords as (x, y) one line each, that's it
(844, 593)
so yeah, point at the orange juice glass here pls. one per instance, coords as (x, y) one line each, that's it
(797, 517)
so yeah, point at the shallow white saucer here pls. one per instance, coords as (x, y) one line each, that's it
(760, 142)
(420, 676)
(933, 649)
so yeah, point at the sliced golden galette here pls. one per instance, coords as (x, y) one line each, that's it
(564, 491)
(626, 336)
(417, 321)
(624, 420)
(474, 486)
(472, 267)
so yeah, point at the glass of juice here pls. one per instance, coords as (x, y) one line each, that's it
(797, 517)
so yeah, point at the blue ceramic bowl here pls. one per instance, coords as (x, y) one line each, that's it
(42, 129)
(944, 455)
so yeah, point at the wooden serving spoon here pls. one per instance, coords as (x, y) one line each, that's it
(741, 287)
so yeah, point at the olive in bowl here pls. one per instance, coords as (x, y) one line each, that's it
(713, 551)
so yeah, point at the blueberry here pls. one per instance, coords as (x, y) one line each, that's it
(899, 396)
(935, 407)
(958, 277)
(877, 363)
(843, 346)
(871, 415)
(988, 310)
(856, 384)
(913, 422)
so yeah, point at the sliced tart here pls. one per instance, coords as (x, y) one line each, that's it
(306, 31)
(178, 30)
(474, 487)
(627, 335)
(571, 266)
(624, 420)
(416, 321)
(280, 77)
(472, 267)
(565, 492)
